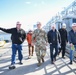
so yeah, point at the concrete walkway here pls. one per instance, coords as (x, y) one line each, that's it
(29, 67)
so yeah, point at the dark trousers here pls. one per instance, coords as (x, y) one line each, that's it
(52, 54)
(31, 49)
(63, 48)
(16, 47)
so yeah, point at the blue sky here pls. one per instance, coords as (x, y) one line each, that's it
(28, 12)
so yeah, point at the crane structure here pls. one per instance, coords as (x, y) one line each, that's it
(67, 13)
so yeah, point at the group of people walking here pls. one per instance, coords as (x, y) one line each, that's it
(56, 39)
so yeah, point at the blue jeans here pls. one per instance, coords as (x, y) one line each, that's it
(52, 54)
(72, 53)
(16, 47)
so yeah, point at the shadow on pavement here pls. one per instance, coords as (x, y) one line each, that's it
(30, 69)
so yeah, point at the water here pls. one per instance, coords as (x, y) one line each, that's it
(5, 36)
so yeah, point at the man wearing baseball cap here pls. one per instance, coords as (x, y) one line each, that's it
(64, 39)
(39, 38)
(72, 41)
(17, 36)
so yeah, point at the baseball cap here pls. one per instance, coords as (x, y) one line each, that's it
(18, 23)
(38, 23)
(74, 24)
(63, 25)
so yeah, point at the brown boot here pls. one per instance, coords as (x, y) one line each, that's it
(39, 63)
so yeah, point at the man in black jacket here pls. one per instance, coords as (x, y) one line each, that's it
(64, 39)
(53, 39)
(72, 41)
(18, 36)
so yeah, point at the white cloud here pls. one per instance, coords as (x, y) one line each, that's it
(28, 2)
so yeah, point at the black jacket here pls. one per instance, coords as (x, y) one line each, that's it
(72, 37)
(63, 34)
(51, 39)
(17, 37)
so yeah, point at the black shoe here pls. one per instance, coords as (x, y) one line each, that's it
(63, 57)
(52, 62)
(20, 63)
(12, 67)
(70, 62)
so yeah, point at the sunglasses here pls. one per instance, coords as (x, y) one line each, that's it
(18, 24)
